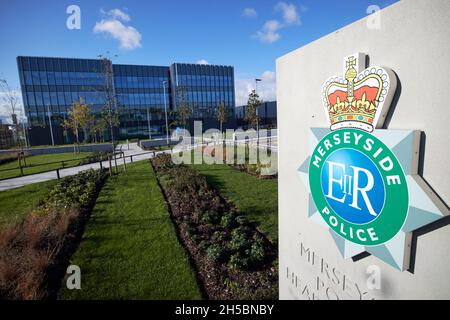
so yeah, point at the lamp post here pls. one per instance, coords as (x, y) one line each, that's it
(257, 108)
(148, 123)
(50, 123)
(165, 111)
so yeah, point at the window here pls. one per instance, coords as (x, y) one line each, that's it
(46, 98)
(28, 78)
(36, 78)
(53, 99)
(31, 100)
(38, 96)
(61, 98)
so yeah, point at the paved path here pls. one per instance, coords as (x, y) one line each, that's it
(131, 149)
(45, 176)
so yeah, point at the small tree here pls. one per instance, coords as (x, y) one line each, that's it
(110, 119)
(184, 110)
(97, 128)
(80, 117)
(222, 114)
(251, 114)
(110, 111)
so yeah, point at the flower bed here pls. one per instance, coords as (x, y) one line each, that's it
(35, 252)
(258, 170)
(233, 260)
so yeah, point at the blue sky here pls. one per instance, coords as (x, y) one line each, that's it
(248, 34)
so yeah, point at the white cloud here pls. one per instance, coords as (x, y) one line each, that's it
(202, 61)
(266, 88)
(269, 32)
(290, 14)
(119, 14)
(129, 38)
(250, 13)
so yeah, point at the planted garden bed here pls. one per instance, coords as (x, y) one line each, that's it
(34, 253)
(233, 260)
(258, 169)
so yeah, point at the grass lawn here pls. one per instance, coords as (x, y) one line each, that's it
(81, 144)
(32, 161)
(257, 199)
(16, 203)
(129, 249)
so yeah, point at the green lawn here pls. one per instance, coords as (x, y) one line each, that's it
(257, 199)
(129, 249)
(32, 161)
(16, 203)
(81, 144)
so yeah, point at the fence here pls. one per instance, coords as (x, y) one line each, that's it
(113, 158)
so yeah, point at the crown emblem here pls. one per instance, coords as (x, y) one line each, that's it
(360, 99)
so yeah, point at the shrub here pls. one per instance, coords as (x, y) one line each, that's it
(257, 253)
(204, 244)
(215, 252)
(228, 221)
(72, 192)
(210, 217)
(239, 240)
(218, 236)
(162, 161)
(239, 261)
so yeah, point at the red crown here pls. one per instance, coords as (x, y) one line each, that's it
(360, 99)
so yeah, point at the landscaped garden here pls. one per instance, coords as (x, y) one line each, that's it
(232, 258)
(34, 251)
(130, 249)
(256, 199)
(215, 238)
(254, 194)
(17, 203)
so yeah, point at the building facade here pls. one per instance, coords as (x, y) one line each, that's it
(267, 113)
(143, 95)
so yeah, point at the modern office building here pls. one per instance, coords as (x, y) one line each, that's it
(142, 94)
(267, 113)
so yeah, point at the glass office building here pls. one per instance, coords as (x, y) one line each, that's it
(267, 112)
(142, 94)
(204, 86)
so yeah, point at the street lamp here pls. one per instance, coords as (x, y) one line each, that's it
(50, 123)
(257, 108)
(165, 111)
(148, 123)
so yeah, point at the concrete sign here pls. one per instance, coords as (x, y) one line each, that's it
(362, 185)
(366, 215)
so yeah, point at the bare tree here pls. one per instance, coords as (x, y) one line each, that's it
(11, 97)
(184, 110)
(110, 111)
